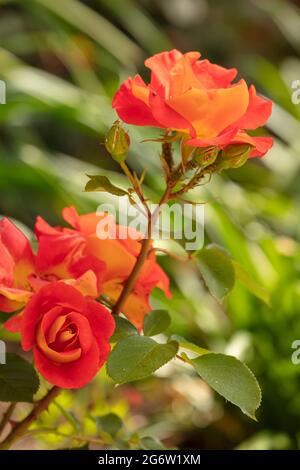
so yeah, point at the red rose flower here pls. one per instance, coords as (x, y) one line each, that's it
(68, 333)
(197, 98)
(16, 264)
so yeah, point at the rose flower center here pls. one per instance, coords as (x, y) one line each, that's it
(60, 341)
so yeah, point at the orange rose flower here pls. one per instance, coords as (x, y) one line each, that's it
(197, 98)
(118, 254)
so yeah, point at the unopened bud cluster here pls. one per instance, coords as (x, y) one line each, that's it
(214, 160)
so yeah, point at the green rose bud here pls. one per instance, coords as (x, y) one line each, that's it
(206, 156)
(233, 156)
(117, 142)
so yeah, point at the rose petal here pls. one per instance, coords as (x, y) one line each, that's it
(100, 320)
(56, 252)
(16, 242)
(182, 76)
(53, 295)
(212, 111)
(74, 374)
(168, 116)
(258, 112)
(82, 269)
(119, 262)
(224, 138)
(161, 64)
(131, 109)
(85, 333)
(135, 308)
(261, 144)
(213, 75)
(60, 357)
(13, 325)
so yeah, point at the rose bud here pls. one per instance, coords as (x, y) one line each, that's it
(205, 157)
(233, 156)
(117, 142)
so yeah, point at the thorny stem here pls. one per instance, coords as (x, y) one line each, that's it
(7, 416)
(136, 186)
(147, 241)
(190, 185)
(145, 248)
(168, 154)
(133, 276)
(168, 195)
(21, 428)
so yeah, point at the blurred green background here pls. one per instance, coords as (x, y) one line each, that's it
(62, 61)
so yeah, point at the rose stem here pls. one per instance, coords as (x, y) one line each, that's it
(21, 428)
(146, 244)
(7, 416)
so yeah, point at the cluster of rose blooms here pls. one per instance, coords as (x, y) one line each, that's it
(54, 292)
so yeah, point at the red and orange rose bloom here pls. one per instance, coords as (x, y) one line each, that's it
(68, 333)
(196, 98)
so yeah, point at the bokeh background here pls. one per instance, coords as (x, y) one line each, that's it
(62, 61)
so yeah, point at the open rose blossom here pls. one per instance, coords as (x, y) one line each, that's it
(68, 333)
(99, 237)
(197, 98)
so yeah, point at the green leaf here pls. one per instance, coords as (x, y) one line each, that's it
(217, 270)
(156, 322)
(18, 380)
(251, 284)
(150, 443)
(136, 357)
(185, 344)
(123, 329)
(230, 378)
(102, 183)
(109, 423)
